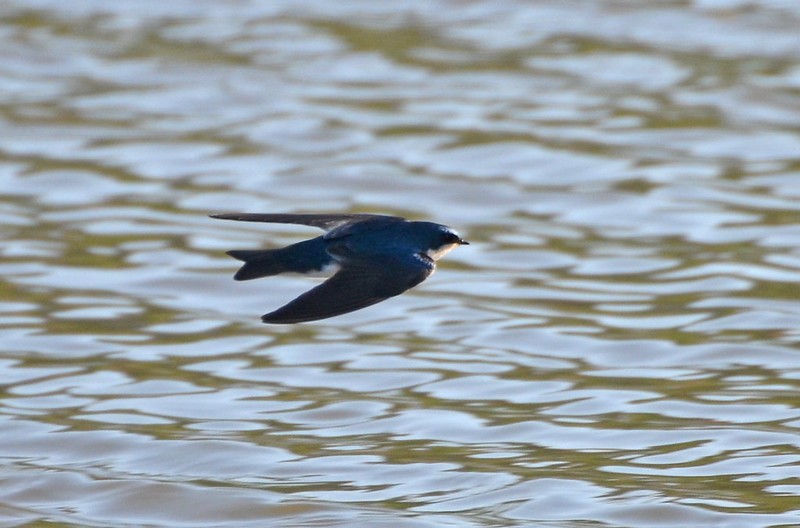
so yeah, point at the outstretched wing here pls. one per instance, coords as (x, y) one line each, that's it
(326, 222)
(360, 283)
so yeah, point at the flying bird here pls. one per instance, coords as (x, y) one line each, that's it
(372, 258)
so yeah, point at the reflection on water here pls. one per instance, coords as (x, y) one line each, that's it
(618, 346)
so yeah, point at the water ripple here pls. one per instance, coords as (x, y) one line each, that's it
(618, 346)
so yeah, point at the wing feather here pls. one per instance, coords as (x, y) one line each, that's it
(360, 283)
(325, 222)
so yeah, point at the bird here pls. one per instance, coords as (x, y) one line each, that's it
(372, 257)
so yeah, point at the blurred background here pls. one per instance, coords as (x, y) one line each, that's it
(618, 346)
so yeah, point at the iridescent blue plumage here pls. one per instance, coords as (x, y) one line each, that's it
(374, 257)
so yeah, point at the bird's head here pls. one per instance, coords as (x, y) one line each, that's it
(440, 239)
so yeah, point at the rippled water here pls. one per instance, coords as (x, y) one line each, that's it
(618, 346)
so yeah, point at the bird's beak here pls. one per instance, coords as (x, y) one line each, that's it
(463, 242)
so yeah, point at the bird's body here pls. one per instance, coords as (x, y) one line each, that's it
(372, 258)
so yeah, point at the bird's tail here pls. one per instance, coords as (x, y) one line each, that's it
(308, 256)
(258, 263)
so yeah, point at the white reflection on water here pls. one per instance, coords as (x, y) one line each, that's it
(617, 347)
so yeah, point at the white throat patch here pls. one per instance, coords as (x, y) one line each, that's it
(438, 253)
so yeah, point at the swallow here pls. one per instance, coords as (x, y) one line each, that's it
(372, 258)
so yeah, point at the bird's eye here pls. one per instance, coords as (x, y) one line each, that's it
(452, 238)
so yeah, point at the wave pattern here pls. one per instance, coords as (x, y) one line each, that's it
(617, 347)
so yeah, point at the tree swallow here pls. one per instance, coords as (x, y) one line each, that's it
(372, 258)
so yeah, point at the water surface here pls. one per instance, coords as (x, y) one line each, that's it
(618, 346)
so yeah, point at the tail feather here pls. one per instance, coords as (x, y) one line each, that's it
(244, 254)
(258, 263)
(304, 257)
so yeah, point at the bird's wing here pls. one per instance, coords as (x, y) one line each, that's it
(326, 222)
(359, 283)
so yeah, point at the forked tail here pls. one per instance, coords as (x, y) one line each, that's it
(258, 263)
(308, 256)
